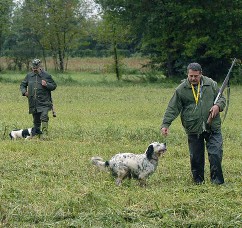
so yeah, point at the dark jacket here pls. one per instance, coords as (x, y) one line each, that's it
(39, 96)
(194, 117)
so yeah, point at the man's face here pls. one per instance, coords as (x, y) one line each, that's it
(194, 76)
(35, 69)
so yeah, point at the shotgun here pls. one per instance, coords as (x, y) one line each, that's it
(220, 92)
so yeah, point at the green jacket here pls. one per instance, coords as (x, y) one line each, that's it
(194, 117)
(39, 96)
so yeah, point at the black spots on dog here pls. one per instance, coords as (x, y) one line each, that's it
(124, 156)
(139, 167)
(106, 163)
(145, 165)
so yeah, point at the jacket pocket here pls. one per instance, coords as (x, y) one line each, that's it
(191, 123)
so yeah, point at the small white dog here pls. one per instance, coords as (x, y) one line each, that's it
(22, 133)
(139, 166)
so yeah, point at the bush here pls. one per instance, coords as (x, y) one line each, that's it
(236, 77)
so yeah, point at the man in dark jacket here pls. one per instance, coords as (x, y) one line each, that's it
(37, 86)
(193, 100)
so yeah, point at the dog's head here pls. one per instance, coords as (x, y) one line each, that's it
(10, 135)
(155, 150)
(27, 132)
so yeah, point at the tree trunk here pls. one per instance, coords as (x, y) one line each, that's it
(61, 61)
(116, 60)
(170, 67)
(44, 57)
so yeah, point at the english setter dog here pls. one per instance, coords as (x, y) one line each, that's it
(138, 166)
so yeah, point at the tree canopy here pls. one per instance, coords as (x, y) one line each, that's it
(6, 7)
(54, 26)
(175, 33)
(171, 33)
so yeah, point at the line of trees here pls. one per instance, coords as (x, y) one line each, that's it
(171, 33)
(174, 33)
(44, 27)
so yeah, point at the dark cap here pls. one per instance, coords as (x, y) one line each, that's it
(36, 63)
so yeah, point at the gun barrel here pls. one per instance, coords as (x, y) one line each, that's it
(225, 83)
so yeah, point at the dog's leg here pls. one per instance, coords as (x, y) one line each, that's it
(121, 175)
(142, 182)
(129, 175)
(142, 178)
(118, 181)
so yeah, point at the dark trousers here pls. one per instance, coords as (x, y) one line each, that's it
(38, 118)
(214, 145)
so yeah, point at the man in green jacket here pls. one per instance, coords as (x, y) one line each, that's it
(37, 86)
(193, 100)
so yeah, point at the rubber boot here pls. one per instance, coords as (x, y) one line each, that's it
(44, 135)
(35, 132)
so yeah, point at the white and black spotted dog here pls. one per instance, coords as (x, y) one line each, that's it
(22, 133)
(138, 166)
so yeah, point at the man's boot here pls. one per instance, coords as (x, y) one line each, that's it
(44, 134)
(36, 132)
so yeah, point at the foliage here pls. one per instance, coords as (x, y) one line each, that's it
(111, 30)
(176, 33)
(17, 45)
(236, 77)
(53, 184)
(6, 7)
(54, 27)
(170, 33)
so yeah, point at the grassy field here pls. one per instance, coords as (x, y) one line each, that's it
(53, 183)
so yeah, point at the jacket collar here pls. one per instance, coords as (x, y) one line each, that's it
(32, 74)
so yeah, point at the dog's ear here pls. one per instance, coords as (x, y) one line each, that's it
(150, 151)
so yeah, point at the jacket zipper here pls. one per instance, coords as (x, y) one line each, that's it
(35, 87)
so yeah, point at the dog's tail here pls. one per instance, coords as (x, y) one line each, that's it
(98, 161)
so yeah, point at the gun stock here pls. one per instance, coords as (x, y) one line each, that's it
(210, 119)
(53, 111)
(52, 107)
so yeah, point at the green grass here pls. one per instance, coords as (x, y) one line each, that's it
(53, 184)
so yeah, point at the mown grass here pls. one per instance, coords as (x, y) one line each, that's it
(53, 184)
